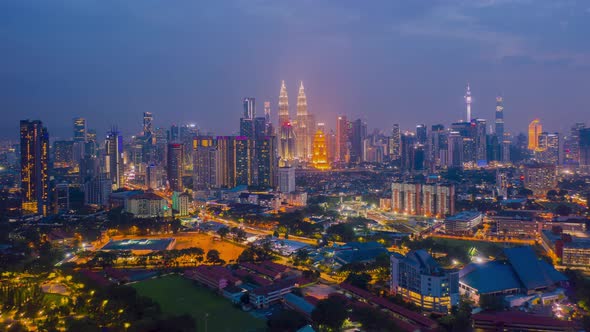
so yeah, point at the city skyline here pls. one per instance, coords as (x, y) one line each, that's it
(359, 63)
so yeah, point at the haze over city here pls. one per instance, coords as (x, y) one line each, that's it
(383, 61)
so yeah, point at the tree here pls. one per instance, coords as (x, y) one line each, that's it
(374, 319)
(341, 232)
(223, 232)
(213, 256)
(360, 280)
(330, 312)
(286, 321)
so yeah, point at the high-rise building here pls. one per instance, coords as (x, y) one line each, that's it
(548, 149)
(535, 129)
(304, 127)
(247, 127)
(342, 133)
(205, 163)
(266, 162)
(148, 130)
(260, 128)
(79, 129)
(34, 143)
(419, 279)
(584, 148)
(421, 134)
(320, 152)
(499, 128)
(286, 179)
(468, 101)
(540, 178)
(408, 149)
(268, 121)
(480, 141)
(286, 132)
(244, 160)
(437, 147)
(357, 137)
(151, 177)
(249, 108)
(225, 163)
(572, 145)
(395, 143)
(63, 154)
(114, 158)
(174, 167)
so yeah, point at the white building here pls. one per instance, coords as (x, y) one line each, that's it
(286, 179)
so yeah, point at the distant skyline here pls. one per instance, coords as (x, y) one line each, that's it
(384, 61)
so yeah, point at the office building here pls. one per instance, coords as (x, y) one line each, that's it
(395, 143)
(342, 133)
(174, 170)
(63, 154)
(79, 129)
(244, 161)
(286, 179)
(319, 158)
(358, 134)
(584, 149)
(97, 191)
(114, 158)
(266, 162)
(304, 127)
(419, 279)
(535, 129)
(34, 144)
(286, 131)
(151, 177)
(205, 163)
(549, 148)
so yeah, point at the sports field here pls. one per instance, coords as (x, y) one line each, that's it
(212, 312)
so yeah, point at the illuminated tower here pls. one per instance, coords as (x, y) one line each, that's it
(535, 129)
(283, 105)
(320, 151)
(468, 103)
(302, 144)
(34, 143)
(342, 153)
(286, 132)
(269, 127)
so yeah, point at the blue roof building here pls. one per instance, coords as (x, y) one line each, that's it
(522, 272)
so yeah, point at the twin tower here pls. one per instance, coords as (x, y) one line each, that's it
(295, 135)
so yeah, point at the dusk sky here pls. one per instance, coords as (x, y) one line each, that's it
(385, 61)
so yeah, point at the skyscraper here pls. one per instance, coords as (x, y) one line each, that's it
(357, 138)
(79, 129)
(266, 162)
(535, 129)
(395, 143)
(114, 158)
(205, 159)
(286, 133)
(174, 167)
(499, 118)
(480, 141)
(34, 142)
(342, 152)
(421, 134)
(468, 103)
(148, 131)
(249, 107)
(304, 127)
(244, 160)
(548, 150)
(584, 146)
(320, 151)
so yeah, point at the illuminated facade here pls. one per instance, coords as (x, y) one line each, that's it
(304, 127)
(419, 279)
(422, 199)
(205, 159)
(535, 129)
(548, 150)
(320, 152)
(249, 107)
(34, 142)
(286, 132)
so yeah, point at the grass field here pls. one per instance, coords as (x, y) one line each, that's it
(177, 295)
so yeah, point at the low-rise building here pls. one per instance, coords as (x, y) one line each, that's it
(263, 297)
(463, 223)
(213, 276)
(419, 279)
(520, 273)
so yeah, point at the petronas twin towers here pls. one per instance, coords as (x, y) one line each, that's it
(295, 135)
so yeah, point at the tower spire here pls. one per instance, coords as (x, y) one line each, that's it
(468, 102)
